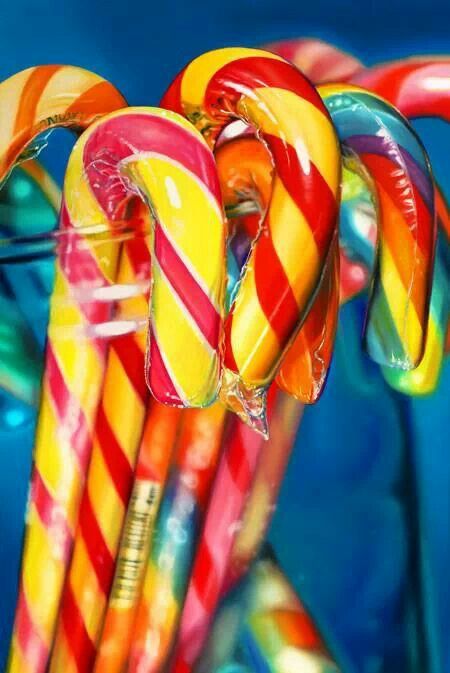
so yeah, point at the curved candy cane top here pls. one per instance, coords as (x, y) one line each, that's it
(418, 87)
(162, 156)
(286, 262)
(38, 99)
(374, 132)
(318, 60)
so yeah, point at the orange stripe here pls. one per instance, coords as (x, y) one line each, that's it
(101, 97)
(399, 240)
(29, 99)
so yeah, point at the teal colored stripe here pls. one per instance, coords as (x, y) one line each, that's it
(383, 342)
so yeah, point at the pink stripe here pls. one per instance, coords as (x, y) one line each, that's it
(33, 648)
(196, 301)
(157, 376)
(123, 136)
(52, 516)
(231, 486)
(71, 417)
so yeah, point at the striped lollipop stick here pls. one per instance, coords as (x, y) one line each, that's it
(31, 102)
(162, 156)
(160, 432)
(275, 291)
(175, 538)
(375, 132)
(235, 473)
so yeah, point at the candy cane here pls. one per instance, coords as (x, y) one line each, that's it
(419, 87)
(161, 429)
(264, 90)
(381, 138)
(318, 60)
(31, 102)
(235, 473)
(162, 156)
(177, 532)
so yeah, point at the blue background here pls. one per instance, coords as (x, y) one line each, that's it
(366, 499)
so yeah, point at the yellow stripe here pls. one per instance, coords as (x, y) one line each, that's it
(202, 69)
(423, 380)
(401, 307)
(298, 122)
(62, 660)
(196, 375)
(190, 215)
(327, 90)
(121, 402)
(253, 340)
(10, 96)
(17, 663)
(43, 575)
(107, 505)
(87, 592)
(291, 233)
(63, 89)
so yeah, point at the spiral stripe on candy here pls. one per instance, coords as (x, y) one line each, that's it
(387, 146)
(36, 100)
(175, 538)
(235, 473)
(418, 87)
(109, 477)
(319, 61)
(168, 161)
(264, 90)
(161, 429)
(245, 173)
(188, 279)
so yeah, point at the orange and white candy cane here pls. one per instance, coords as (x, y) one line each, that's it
(288, 259)
(32, 102)
(161, 155)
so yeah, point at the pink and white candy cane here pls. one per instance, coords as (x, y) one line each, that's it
(241, 452)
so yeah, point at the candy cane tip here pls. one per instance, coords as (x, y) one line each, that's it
(248, 403)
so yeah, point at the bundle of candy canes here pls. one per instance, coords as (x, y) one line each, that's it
(199, 273)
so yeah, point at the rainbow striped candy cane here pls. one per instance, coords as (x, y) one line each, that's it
(376, 134)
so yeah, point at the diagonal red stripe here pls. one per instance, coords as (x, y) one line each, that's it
(79, 642)
(99, 554)
(133, 361)
(158, 378)
(206, 581)
(253, 72)
(309, 191)
(70, 414)
(51, 514)
(274, 290)
(191, 294)
(30, 642)
(119, 468)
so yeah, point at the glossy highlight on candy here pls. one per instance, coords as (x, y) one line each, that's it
(275, 290)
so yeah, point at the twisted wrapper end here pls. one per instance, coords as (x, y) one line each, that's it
(250, 404)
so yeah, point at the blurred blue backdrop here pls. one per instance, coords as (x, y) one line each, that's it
(367, 495)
